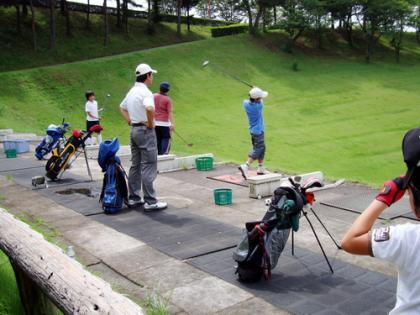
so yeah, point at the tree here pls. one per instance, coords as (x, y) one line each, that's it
(67, 16)
(295, 21)
(18, 18)
(34, 39)
(88, 15)
(178, 13)
(106, 24)
(119, 22)
(53, 39)
(400, 16)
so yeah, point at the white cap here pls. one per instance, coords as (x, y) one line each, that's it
(143, 69)
(257, 93)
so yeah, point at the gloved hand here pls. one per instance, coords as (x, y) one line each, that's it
(392, 191)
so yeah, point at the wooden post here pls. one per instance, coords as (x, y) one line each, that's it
(33, 300)
(44, 270)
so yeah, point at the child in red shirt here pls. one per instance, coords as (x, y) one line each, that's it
(164, 119)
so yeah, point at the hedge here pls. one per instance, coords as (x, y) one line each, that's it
(228, 30)
(193, 20)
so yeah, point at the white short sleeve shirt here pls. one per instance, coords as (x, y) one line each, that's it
(400, 245)
(136, 101)
(91, 107)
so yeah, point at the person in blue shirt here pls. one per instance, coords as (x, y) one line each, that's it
(253, 108)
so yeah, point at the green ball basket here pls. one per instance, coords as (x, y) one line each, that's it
(204, 163)
(223, 196)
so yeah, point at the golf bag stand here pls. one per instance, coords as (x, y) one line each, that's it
(87, 163)
(305, 214)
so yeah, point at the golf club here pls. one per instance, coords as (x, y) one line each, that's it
(207, 62)
(188, 144)
(105, 103)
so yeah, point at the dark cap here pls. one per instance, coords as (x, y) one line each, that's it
(411, 153)
(165, 85)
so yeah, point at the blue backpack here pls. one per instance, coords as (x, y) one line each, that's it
(114, 188)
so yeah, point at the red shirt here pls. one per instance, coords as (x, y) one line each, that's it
(163, 106)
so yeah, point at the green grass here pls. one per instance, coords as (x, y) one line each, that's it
(17, 51)
(9, 294)
(336, 114)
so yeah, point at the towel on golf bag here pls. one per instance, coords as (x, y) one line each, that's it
(262, 242)
(114, 192)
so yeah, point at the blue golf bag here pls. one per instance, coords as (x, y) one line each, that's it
(114, 192)
(53, 139)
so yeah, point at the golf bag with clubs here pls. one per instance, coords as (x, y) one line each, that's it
(61, 160)
(262, 242)
(53, 139)
(114, 192)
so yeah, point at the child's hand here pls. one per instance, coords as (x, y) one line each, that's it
(392, 191)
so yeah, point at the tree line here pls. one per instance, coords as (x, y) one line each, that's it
(372, 18)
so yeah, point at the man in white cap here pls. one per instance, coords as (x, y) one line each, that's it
(253, 108)
(138, 109)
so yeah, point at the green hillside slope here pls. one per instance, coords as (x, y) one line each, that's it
(341, 116)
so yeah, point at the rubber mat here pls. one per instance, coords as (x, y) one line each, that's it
(234, 178)
(303, 284)
(68, 195)
(175, 232)
(14, 164)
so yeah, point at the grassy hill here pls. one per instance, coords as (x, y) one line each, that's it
(338, 115)
(17, 51)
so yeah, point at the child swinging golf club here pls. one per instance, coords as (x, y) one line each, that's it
(398, 244)
(253, 108)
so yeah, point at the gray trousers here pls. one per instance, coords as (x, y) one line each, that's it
(143, 170)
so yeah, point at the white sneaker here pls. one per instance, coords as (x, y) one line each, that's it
(244, 169)
(261, 170)
(160, 205)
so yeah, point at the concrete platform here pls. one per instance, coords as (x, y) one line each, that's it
(180, 252)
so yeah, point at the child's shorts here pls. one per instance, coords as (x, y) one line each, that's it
(258, 147)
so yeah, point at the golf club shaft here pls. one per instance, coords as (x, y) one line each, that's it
(181, 138)
(231, 75)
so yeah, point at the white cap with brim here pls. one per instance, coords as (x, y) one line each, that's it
(144, 68)
(257, 93)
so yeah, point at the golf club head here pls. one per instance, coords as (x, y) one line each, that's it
(205, 63)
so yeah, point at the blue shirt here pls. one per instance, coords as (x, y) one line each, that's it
(254, 112)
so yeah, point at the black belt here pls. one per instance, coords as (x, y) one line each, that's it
(138, 125)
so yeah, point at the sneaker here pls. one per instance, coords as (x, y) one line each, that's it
(244, 169)
(135, 202)
(160, 205)
(261, 170)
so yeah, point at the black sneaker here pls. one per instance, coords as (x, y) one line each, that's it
(135, 202)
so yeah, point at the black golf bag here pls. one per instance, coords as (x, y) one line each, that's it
(262, 242)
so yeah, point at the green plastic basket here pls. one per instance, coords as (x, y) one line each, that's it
(204, 163)
(11, 153)
(223, 196)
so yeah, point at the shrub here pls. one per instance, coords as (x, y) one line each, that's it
(228, 30)
(295, 66)
(193, 20)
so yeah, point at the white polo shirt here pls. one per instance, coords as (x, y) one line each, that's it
(91, 107)
(136, 101)
(400, 245)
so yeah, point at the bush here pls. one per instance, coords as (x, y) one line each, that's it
(193, 20)
(228, 30)
(295, 66)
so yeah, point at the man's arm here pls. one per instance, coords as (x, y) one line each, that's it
(125, 114)
(171, 115)
(150, 112)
